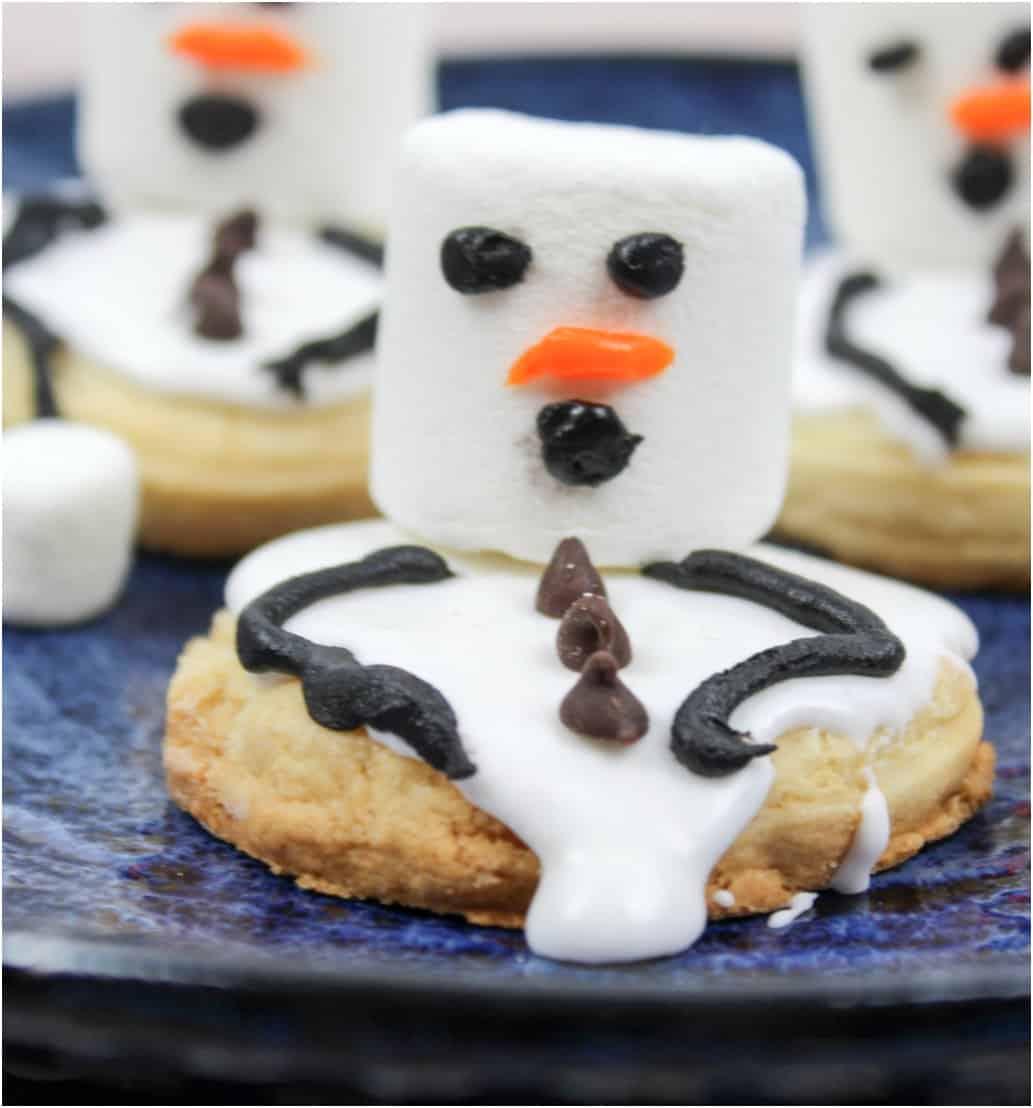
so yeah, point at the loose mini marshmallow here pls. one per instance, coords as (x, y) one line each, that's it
(921, 134)
(295, 110)
(580, 233)
(69, 514)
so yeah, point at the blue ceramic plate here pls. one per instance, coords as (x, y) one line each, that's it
(121, 911)
(94, 847)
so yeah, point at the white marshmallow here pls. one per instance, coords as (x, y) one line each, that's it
(69, 515)
(886, 145)
(327, 132)
(456, 457)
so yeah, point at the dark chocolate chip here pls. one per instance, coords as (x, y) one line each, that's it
(983, 177)
(897, 56)
(218, 123)
(1013, 53)
(584, 443)
(568, 576)
(1018, 361)
(646, 265)
(217, 301)
(480, 259)
(236, 234)
(587, 627)
(601, 706)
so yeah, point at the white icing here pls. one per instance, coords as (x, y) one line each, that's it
(932, 326)
(70, 502)
(801, 902)
(118, 295)
(725, 898)
(873, 833)
(626, 837)
(715, 423)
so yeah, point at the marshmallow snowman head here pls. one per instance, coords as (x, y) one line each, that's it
(587, 332)
(292, 109)
(921, 118)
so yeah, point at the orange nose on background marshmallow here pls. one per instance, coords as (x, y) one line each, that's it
(239, 46)
(587, 354)
(992, 113)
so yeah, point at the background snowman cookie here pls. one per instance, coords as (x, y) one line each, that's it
(911, 431)
(604, 731)
(218, 308)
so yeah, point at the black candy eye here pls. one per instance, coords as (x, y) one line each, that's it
(898, 55)
(1013, 53)
(479, 259)
(646, 265)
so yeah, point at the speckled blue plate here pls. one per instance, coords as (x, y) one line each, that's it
(133, 934)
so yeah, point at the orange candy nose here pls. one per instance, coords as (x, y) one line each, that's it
(584, 353)
(238, 46)
(992, 113)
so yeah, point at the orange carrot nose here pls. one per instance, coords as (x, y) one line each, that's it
(583, 353)
(239, 46)
(992, 113)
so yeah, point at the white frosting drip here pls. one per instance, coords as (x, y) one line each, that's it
(932, 326)
(118, 295)
(873, 833)
(725, 898)
(626, 836)
(802, 902)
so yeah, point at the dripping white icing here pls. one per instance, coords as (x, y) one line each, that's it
(118, 295)
(933, 327)
(612, 888)
(724, 898)
(802, 902)
(873, 833)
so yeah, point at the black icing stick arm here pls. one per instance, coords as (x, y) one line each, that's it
(932, 405)
(39, 222)
(357, 339)
(340, 692)
(853, 641)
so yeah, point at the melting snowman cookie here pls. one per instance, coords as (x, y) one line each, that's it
(612, 739)
(912, 384)
(219, 310)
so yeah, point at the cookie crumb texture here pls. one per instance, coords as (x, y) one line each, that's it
(345, 815)
(856, 493)
(217, 479)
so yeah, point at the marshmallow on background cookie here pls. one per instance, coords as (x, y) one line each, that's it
(921, 120)
(588, 332)
(294, 109)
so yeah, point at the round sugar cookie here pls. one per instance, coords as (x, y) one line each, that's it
(413, 729)
(217, 478)
(862, 496)
(344, 815)
(234, 355)
(910, 444)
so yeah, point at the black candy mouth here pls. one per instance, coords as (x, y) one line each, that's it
(217, 123)
(983, 177)
(584, 443)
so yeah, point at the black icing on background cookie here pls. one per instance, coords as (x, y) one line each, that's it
(39, 222)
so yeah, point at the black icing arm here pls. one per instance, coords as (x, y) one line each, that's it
(932, 405)
(340, 692)
(853, 640)
(357, 339)
(39, 223)
(351, 242)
